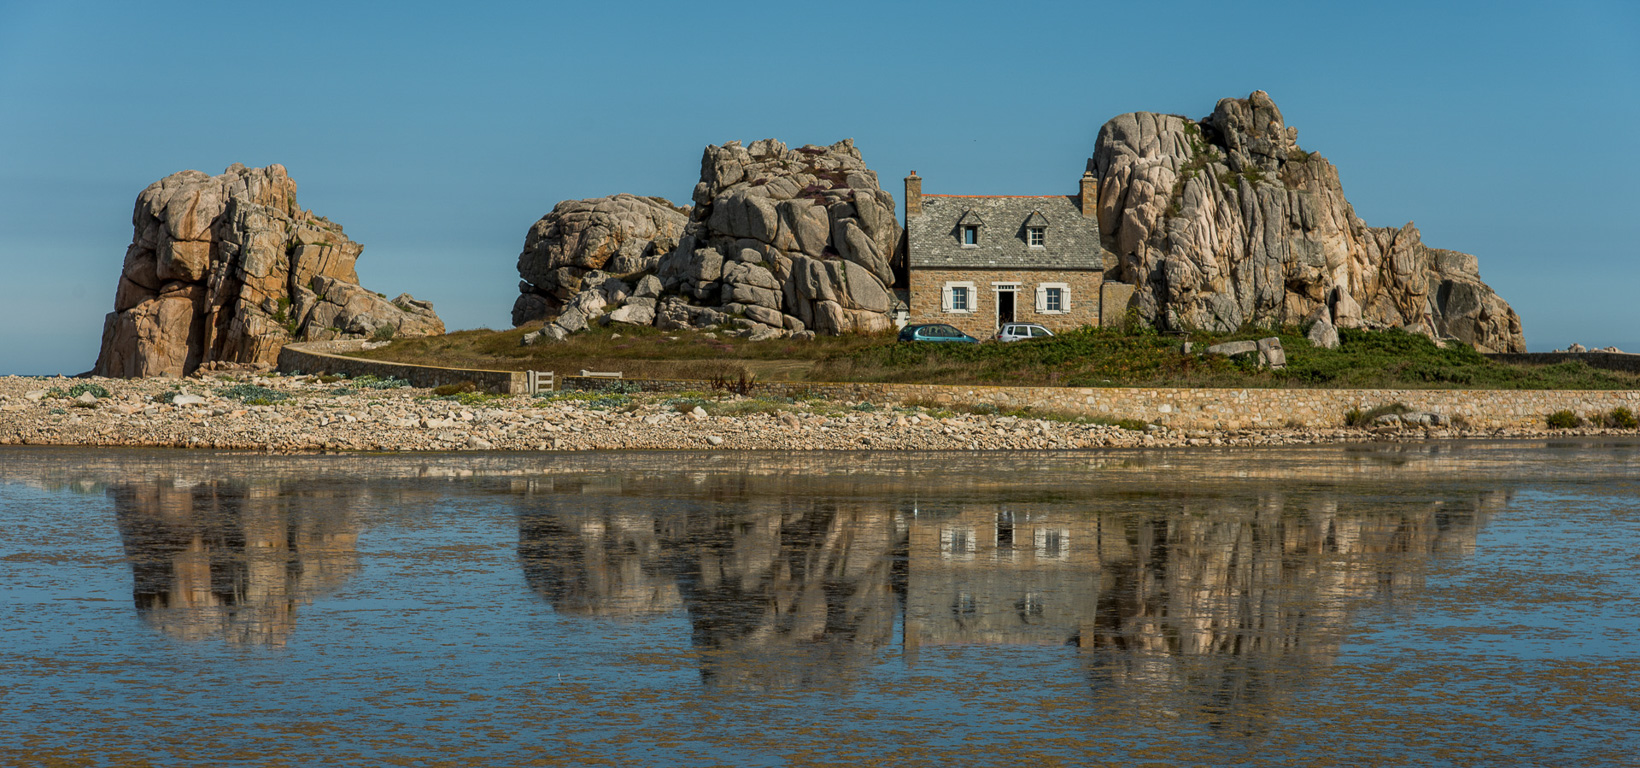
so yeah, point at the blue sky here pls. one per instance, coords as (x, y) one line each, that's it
(437, 134)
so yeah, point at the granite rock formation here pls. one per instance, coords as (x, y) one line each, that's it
(1226, 220)
(779, 242)
(227, 269)
(623, 234)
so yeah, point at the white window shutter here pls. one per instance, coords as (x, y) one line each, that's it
(1065, 299)
(945, 298)
(1041, 299)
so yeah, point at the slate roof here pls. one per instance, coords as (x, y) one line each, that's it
(1071, 241)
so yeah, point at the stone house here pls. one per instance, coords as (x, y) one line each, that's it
(978, 261)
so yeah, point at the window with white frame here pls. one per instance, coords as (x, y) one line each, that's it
(1053, 543)
(970, 234)
(1036, 237)
(957, 543)
(957, 297)
(1053, 298)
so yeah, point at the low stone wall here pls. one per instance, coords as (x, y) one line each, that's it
(1194, 408)
(1611, 361)
(331, 357)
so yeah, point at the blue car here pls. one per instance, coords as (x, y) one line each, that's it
(935, 332)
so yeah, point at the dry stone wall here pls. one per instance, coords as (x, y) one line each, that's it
(332, 357)
(1200, 408)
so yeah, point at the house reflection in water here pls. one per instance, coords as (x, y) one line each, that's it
(1213, 603)
(996, 573)
(1189, 604)
(232, 559)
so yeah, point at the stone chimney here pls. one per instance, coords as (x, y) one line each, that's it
(1089, 196)
(913, 195)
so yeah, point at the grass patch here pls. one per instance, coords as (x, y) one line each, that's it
(1088, 357)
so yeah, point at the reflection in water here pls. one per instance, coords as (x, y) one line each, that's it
(232, 559)
(1010, 609)
(1225, 599)
(783, 590)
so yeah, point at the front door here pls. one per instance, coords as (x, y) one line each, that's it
(1005, 307)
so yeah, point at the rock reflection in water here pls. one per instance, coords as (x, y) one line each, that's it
(232, 559)
(781, 590)
(1219, 600)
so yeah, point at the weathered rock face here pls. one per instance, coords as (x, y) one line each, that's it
(1226, 221)
(228, 269)
(779, 242)
(621, 235)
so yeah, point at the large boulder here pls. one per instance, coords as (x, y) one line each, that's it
(1226, 220)
(807, 231)
(622, 235)
(791, 239)
(229, 269)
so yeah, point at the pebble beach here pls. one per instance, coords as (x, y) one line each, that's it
(306, 413)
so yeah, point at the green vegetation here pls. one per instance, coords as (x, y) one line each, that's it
(1108, 357)
(593, 400)
(1563, 420)
(371, 381)
(281, 315)
(384, 333)
(1135, 356)
(445, 390)
(1622, 418)
(472, 398)
(96, 390)
(251, 394)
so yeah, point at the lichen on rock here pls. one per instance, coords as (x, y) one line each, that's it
(228, 269)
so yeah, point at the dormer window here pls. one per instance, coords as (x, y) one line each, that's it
(1036, 230)
(968, 229)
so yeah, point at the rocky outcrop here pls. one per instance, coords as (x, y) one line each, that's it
(227, 269)
(779, 242)
(1226, 221)
(621, 235)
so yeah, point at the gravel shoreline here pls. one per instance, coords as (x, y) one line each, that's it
(306, 414)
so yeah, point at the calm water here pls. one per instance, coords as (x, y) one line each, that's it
(1464, 604)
